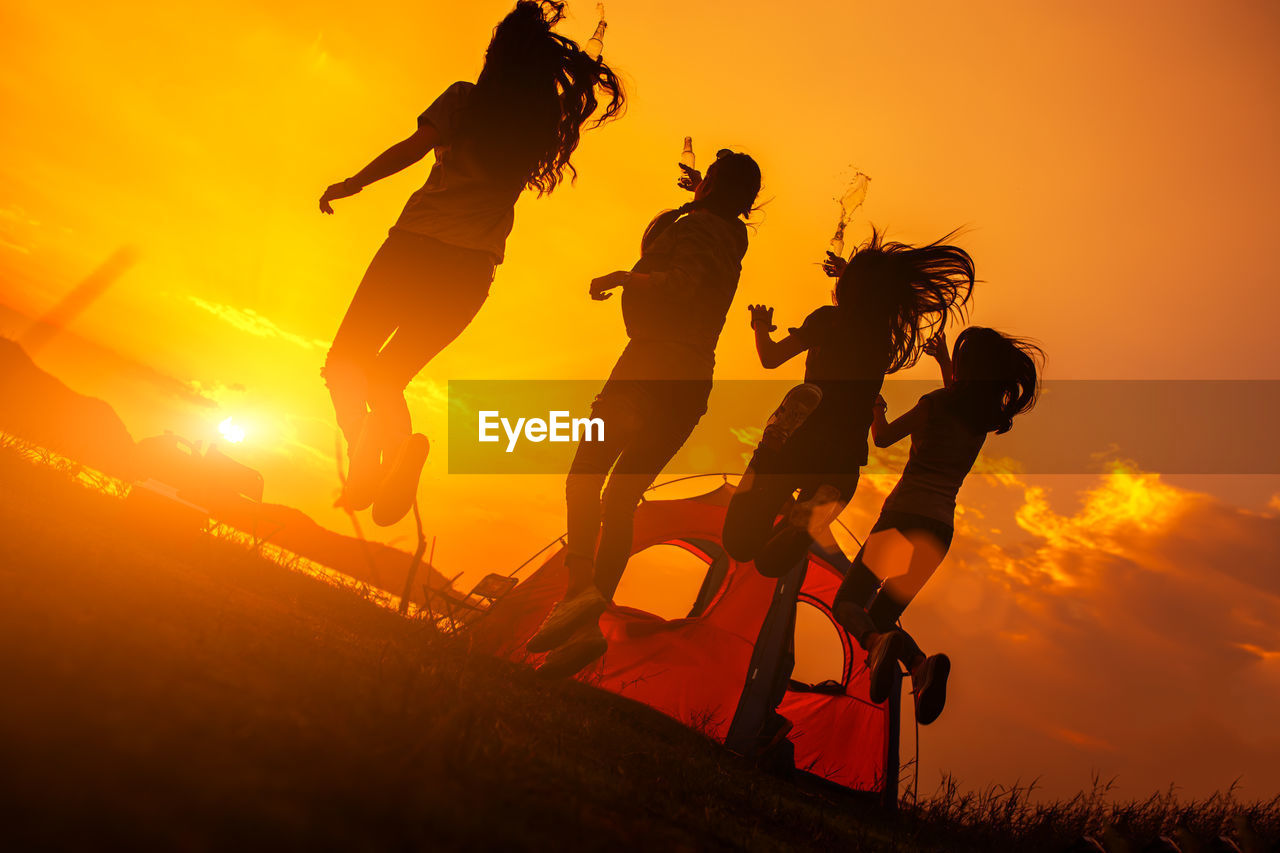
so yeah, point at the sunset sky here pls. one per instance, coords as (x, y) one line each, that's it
(1114, 166)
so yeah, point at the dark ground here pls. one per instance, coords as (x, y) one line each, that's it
(175, 690)
(161, 689)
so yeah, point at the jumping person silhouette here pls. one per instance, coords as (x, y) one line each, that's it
(990, 380)
(674, 303)
(515, 128)
(887, 300)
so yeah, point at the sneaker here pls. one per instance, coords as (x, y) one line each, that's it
(795, 410)
(399, 488)
(929, 684)
(817, 513)
(882, 661)
(783, 552)
(565, 618)
(364, 470)
(584, 646)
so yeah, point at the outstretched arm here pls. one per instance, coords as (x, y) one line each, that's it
(884, 433)
(937, 347)
(772, 353)
(399, 156)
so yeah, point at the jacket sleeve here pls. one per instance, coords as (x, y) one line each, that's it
(700, 257)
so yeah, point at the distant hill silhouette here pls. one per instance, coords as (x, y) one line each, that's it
(39, 408)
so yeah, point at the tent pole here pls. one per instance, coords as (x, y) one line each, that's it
(893, 758)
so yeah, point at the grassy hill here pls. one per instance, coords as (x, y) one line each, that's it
(172, 689)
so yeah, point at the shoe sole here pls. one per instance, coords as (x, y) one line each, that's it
(884, 676)
(933, 695)
(553, 636)
(400, 488)
(805, 514)
(798, 404)
(568, 661)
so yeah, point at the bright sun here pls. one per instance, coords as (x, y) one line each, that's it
(231, 431)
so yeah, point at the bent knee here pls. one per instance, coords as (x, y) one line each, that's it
(578, 486)
(340, 368)
(742, 549)
(623, 495)
(742, 537)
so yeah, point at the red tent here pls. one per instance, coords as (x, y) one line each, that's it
(721, 669)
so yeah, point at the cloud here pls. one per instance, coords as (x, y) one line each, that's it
(429, 392)
(251, 322)
(217, 393)
(1137, 634)
(18, 229)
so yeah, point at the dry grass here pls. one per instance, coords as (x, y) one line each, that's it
(1004, 815)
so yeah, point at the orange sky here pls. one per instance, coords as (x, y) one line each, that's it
(1114, 163)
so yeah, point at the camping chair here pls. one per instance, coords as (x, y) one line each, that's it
(461, 613)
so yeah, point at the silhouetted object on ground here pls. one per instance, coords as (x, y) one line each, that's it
(181, 485)
(209, 477)
(724, 667)
(84, 294)
(463, 611)
(37, 407)
(174, 468)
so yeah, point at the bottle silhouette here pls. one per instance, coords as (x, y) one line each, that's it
(595, 45)
(688, 160)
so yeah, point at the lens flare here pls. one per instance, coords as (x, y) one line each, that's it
(231, 431)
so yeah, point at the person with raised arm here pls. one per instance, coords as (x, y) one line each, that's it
(888, 299)
(674, 304)
(988, 380)
(514, 129)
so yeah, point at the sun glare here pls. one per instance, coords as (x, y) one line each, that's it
(231, 431)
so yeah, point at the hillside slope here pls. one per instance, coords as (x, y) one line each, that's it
(180, 691)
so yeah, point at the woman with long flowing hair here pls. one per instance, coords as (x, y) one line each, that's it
(512, 130)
